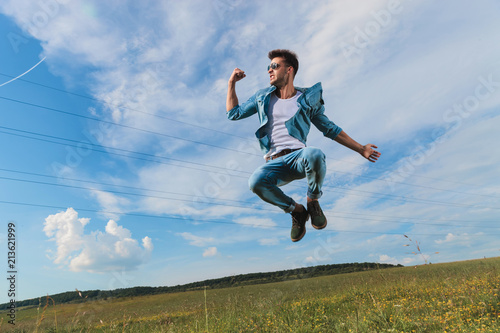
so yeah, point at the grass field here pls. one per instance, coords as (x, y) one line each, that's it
(453, 297)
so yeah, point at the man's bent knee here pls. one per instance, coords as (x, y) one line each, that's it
(255, 183)
(314, 155)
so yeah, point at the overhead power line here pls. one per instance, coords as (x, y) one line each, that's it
(154, 157)
(212, 201)
(128, 108)
(125, 126)
(414, 185)
(205, 200)
(326, 188)
(203, 220)
(95, 147)
(408, 174)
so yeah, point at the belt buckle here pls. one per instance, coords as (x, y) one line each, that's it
(282, 153)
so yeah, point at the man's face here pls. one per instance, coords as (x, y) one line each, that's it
(280, 75)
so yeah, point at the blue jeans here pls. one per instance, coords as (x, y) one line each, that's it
(307, 162)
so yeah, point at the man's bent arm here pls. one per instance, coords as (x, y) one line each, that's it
(366, 151)
(232, 99)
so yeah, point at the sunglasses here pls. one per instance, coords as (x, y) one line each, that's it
(273, 65)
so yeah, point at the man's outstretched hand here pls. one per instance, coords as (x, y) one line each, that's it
(369, 153)
(366, 151)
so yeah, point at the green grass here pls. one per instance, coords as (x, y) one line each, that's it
(454, 297)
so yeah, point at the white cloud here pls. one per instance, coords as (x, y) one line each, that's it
(386, 259)
(315, 259)
(111, 203)
(449, 238)
(67, 231)
(58, 22)
(112, 250)
(463, 239)
(210, 252)
(197, 240)
(310, 260)
(114, 229)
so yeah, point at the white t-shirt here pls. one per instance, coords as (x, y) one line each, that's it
(280, 110)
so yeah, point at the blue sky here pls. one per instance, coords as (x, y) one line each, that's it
(119, 166)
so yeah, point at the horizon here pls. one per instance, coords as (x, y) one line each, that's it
(224, 277)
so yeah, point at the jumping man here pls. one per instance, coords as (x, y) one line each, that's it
(286, 113)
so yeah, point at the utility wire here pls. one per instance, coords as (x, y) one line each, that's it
(379, 195)
(113, 153)
(414, 223)
(402, 198)
(95, 182)
(80, 144)
(204, 221)
(245, 204)
(224, 199)
(212, 202)
(127, 108)
(124, 126)
(326, 188)
(414, 185)
(207, 165)
(408, 174)
(335, 214)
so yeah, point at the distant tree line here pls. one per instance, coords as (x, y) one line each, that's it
(229, 281)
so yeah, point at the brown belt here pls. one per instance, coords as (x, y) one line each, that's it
(282, 153)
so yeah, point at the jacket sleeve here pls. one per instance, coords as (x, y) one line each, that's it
(325, 125)
(243, 110)
(318, 117)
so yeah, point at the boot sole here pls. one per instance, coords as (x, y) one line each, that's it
(321, 227)
(301, 236)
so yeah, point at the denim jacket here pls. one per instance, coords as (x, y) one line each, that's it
(311, 109)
